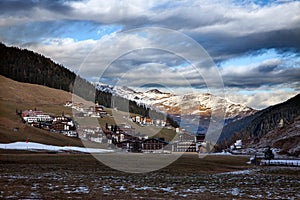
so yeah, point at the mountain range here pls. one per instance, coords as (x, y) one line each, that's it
(275, 126)
(193, 112)
(202, 104)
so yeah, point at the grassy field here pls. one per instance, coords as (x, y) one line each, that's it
(81, 176)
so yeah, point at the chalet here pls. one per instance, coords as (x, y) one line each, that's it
(37, 118)
(187, 142)
(184, 146)
(154, 145)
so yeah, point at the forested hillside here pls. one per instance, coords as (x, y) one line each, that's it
(26, 66)
(262, 122)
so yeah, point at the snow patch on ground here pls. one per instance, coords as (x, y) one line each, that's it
(247, 171)
(33, 146)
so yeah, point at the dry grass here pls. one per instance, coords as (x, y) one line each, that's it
(22, 96)
(61, 176)
(26, 93)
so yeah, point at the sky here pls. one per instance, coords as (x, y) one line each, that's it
(249, 49)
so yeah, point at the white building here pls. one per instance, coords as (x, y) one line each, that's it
(37, 118)
(238, 144)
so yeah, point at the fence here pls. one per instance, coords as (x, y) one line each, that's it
(291, 163)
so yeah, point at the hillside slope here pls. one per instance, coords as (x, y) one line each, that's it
(15, 95)
(285, 138)
(30, 93)
(267, 121)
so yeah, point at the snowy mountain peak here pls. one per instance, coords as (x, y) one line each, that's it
(189, 104)
(156, 91)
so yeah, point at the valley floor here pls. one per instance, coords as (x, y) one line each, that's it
(26, 175)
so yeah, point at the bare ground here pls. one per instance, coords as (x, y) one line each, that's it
(80, 176)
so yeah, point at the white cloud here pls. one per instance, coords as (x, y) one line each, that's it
(65, 51)
(226, 29)
(260, 99)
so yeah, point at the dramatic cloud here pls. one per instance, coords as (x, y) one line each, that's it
(260, 98)
(78, 35)
(269, 72)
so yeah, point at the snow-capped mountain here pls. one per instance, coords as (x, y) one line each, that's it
(202, 104)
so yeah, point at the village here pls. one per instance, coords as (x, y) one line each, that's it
(122, 137)
(54, 123)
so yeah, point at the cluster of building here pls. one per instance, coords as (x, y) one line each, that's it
(86, 111)
(146, 121)
(125, 138)
(60, 124)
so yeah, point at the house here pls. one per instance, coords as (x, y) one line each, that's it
(154, 145)
(238, 144)
(30, 120)
(184, 146)
(68, 104)
(137, 119)
(37, 118)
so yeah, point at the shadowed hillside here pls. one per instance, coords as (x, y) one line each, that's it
(258, 125)
(30, 67)
(22, 96)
